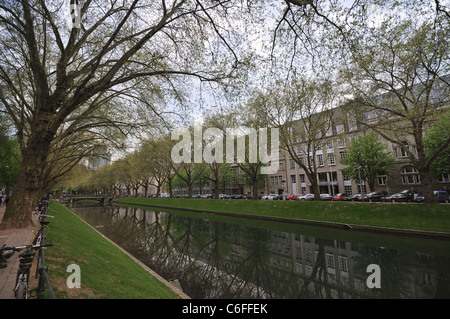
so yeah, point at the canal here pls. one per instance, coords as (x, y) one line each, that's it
(225, 257)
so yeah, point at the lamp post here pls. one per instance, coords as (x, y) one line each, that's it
(360, 184)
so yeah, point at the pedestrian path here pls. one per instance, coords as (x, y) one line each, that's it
(13, 237)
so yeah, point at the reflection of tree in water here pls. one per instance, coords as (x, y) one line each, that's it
(200, 258)
(317, 277)
(196, 252)
(220, 260)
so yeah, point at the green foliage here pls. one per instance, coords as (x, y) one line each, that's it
(366, 159)
(438, 136)
(10, 157)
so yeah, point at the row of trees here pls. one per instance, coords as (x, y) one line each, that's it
(152, 165)
(64, 87)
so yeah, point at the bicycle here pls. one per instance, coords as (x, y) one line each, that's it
(26, 258)
(21, 290)
(42, 214)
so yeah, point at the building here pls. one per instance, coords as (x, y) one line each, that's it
(330, 148)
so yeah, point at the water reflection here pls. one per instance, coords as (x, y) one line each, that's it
(214, 259)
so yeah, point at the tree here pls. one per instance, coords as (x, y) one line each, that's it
(302, 112)
(437, 137)
(397, 78)
(10, 158)
(190, 174)
(366, 159)
(51, 71)
(217, 170)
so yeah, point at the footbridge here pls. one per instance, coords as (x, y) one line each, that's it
(102, 199)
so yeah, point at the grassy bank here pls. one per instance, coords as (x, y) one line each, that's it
(106, 272)
(403, 216)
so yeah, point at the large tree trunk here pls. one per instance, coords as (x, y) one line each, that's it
(27, 189)
(425, 179)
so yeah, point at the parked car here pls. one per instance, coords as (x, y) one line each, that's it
(340, 197)
(224, 196)
(418, 198)
(307, 197)
(355, 197)
(260, 196)
(293, 197)
(164, 195)
(248, 196)
(441, 196)
(273, 197)
(404, 196)
(374, 196)
(326, 197)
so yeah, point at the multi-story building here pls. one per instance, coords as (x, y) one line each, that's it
(322, 140)
(331, 144)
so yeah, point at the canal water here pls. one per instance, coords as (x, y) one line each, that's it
(225, 257)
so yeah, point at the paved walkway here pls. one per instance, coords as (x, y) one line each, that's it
(13, 237)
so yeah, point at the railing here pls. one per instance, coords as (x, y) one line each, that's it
(43, 277)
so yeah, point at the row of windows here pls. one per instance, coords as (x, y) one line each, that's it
(409, 175)
(329, 145)
(320, 162)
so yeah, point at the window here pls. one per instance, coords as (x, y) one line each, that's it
(293, 179)
(381, 180)
(345, 176)
(299, 150)
(410, 175)
(319, 160)
(322, 177)
(330, 144)
(400, 152)
(343, 266)
(302, 178)
(341, 142)
(292, 162)
(339, 128)
(308, 255)
(331, 159)
(348, 190)
(342, 155)
(330, 260)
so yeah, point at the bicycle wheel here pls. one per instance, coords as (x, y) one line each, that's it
(21, 291)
